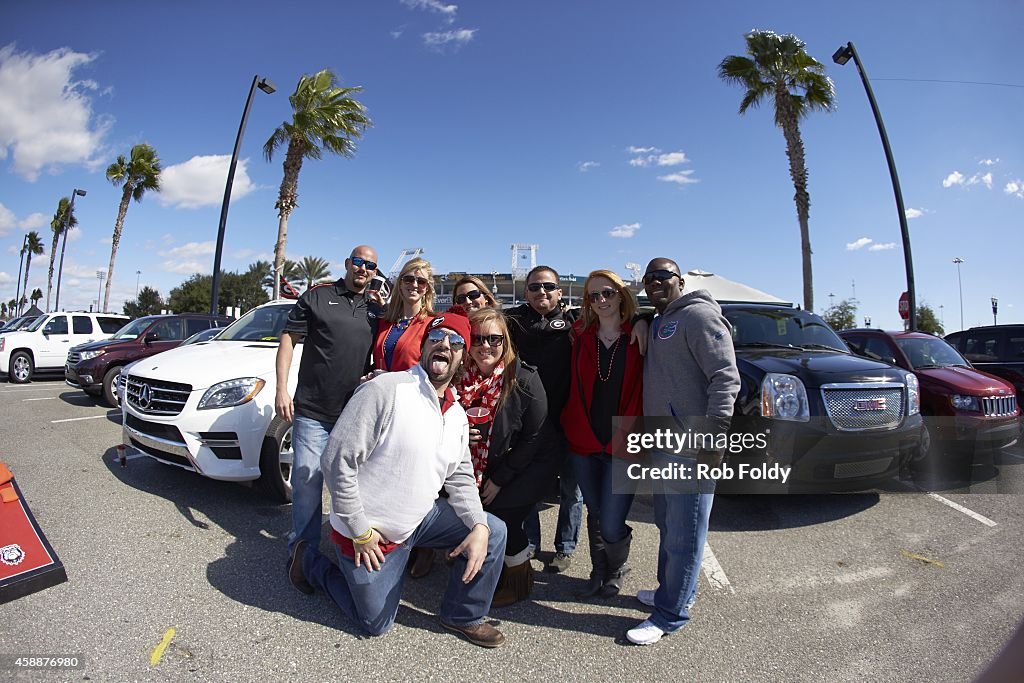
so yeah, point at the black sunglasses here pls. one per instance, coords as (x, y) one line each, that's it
(491, 339)
(546, 286)
(607, 293)
(360, 262)
(474, 295)
(413, 280)
(454, 340)
(659, 275)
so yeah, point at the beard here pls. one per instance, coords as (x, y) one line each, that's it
(442, 369)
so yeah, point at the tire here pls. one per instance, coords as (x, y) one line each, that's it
(276, 459)
(21, 368)
(110, 387)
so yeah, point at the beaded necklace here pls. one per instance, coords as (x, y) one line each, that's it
(604, 377)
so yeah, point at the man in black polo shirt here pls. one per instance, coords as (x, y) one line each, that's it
(338, 337)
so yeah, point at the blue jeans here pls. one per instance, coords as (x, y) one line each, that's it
(309, 439)
(682, 520)
(570, 514)
(594, 473)
(370, 598)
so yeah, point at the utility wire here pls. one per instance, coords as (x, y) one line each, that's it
(938, 80)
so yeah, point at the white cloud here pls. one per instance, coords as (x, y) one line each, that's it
(882, 247)
(585, 166)
(448, 11)
(672, 159)
(625, 230)
(954, 178)
(199, 182)
(187, 267)
(191, 250)
(167, 238)
(958, 178)
(7, 220)
(76, 234)
(33, 221)
(643, 162)
(5, 278)
(642, 150)
(243, 253)
(987, 179)
(858, 244)
(46, 117)
(680, 177)
(397, 33)
(457, 38)
(989, 162)
(915, 213)
(1015, 188)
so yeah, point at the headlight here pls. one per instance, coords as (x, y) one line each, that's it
(913, 395)
(783, 397)
(86, 355)
(234, 392)
(961, 402)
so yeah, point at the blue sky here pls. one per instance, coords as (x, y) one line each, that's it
(524, 122)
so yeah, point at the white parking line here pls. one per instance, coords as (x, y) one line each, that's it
(36, 387)
(713, 570)
(48, 398)
(91, 417)
(960, 508)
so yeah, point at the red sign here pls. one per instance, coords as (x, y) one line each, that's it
(905, 306)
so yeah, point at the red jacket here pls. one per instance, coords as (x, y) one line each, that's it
(576, 414)
(407, 350)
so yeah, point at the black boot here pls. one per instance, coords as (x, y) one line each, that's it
(598, 559)
(617, 554)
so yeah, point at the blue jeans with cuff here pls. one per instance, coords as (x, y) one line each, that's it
(309, 439)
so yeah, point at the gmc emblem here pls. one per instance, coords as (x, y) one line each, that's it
(869, 405)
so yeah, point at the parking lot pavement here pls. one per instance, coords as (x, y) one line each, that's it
(818, 588)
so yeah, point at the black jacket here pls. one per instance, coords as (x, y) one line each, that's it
(543, 341)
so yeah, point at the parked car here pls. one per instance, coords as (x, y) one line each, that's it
(964, 408)
(43, 346)
(94, 367)
(841, 421)
(205, 335)
(995, 349)
(19, 323)
(209, 407)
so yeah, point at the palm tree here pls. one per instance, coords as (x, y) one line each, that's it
(779, 69)
(33, 245)
(137, 175)
(325, 116)
(312, 269)
(3, 310)
(37, 294)
(57, 225)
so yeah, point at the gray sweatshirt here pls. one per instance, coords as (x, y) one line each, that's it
(690, 366)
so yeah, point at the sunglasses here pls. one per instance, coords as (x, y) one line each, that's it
(360, 262)
(454, 340)
(607, 294)
(413, 280)
(474, 295)
(659, 275)
(546, 286)
(491, 339)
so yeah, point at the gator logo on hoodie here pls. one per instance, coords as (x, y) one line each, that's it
(668, 330)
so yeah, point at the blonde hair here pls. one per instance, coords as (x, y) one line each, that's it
(479, 284)
(508, 351)
(627, 304)
(397, 305)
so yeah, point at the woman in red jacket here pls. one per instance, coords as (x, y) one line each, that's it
(400, 332)
(606, 382)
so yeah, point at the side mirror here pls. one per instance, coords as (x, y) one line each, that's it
(48, 330)
(151, 337)
(889, 359)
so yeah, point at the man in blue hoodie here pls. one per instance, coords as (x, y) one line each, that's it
(690, 375)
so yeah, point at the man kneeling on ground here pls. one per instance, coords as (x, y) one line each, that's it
(400, 439)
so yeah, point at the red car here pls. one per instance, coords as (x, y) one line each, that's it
(970, 410)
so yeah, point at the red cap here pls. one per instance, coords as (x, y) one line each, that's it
(455, 320)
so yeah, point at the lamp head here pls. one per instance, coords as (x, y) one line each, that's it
(266, 86)
(842, 55)
(80, 193)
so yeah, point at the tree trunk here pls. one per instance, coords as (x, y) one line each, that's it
(28, 264)
(286, 202)
(116, 240)
(798, 172)
(49, 278)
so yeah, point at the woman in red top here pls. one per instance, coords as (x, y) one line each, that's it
(400, 332)
(607, 381)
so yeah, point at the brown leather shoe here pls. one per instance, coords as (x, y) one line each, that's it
(295, 573)
(482, 634)
(421, 562)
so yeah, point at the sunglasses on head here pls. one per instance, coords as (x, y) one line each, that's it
(546, 286)
(491, 339)
(659, 275)
(360, 262)
(474, 295)
(454, 340)
(413, 280)
(607, 294)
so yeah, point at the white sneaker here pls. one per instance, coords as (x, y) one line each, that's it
(645, 633)
(646, 596)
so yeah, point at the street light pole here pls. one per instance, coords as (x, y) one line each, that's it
(67, 222)
(267, 87)
(17, 285)
(138, 274)
(960, 284)
(842, 56)
(100, 275)
(995, 308)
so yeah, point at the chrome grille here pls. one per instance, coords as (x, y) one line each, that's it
(999, 406)
(164, 398)
(74, 357)
(861, 407)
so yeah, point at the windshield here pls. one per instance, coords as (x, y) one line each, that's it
(786, 327)
(37, 323)
(135, 327)
(260, 324)
(930, 353)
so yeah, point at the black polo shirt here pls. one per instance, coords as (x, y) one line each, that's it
(336, 351)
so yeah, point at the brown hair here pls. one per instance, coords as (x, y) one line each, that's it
(508, 352)
(627, 304)
(479, 284)
(396, 305)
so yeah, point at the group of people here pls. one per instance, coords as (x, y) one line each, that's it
(444, 431)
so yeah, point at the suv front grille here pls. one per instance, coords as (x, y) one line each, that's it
(862, 407)
(74, 357)
(999, 406)
(156, 397)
